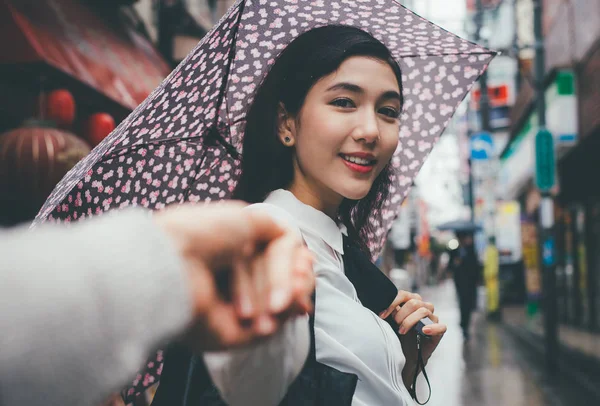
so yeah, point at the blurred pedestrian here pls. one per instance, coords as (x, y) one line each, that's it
(491, 268)
(82, 307)
(466, 271)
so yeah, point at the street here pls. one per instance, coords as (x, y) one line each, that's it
(492, 369)
(443, 137)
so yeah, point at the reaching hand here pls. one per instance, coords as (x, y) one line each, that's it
(247, 274)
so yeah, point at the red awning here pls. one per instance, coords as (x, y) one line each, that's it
(101, 52)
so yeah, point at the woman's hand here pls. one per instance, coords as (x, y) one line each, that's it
(247, 274)
(407, 309)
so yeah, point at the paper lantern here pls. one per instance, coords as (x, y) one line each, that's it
(99, 125)
(32, 161)
(60, 107)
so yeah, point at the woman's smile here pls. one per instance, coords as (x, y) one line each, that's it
(361, 162)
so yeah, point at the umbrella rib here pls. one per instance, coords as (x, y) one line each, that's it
(231, 57)
(218, 138)
(230, 148)
(490, 53)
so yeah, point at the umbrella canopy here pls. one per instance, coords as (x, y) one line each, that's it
(464, 226)
(183, 142)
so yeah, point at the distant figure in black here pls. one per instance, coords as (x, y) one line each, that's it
(466, 270)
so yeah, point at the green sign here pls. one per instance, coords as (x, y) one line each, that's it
(544, 160)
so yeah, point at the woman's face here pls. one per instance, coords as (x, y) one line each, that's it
(345, 133)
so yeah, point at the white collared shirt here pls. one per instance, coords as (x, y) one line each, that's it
(349, 337)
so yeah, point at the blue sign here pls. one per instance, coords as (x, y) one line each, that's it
(482, 146)
(548, 252)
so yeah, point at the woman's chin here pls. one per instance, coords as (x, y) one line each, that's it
(356, 193)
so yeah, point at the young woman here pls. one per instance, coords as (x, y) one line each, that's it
(319, 138)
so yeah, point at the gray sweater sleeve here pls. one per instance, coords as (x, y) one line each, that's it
(82, 307)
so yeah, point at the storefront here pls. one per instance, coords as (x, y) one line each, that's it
(580, 198)
(77, 68)
(521, 279)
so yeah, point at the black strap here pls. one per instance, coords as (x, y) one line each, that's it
(312, 354)
(420, 367)
(374, 289)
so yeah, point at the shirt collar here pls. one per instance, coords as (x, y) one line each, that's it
(308, 218)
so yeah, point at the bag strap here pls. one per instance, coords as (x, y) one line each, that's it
(420, 367)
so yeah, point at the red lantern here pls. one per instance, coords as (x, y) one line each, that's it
(60, 107)
(98, 127)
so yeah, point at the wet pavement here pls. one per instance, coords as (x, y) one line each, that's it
(491, 369)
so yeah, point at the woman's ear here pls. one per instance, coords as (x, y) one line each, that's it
(286, 126)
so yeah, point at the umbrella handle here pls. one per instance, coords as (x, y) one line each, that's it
(426, 321)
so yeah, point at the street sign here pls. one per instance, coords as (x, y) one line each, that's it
(548, 252)
(544, 160)
(482, 146)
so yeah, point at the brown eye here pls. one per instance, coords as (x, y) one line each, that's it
(390, 112)
(343, 103)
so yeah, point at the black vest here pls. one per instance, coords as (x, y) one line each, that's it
(185, 381)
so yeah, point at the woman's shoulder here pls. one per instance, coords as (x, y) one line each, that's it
(279, 214)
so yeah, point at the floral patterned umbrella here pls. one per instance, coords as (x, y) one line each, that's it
(182, 143)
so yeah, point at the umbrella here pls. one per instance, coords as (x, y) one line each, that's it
(464, 226)
(183, 142)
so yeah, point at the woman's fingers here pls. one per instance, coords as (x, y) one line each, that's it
(273, 284)
(401, 298)
(410, 307)
(436, 329)
(411, 320)
(303, 278)
(303, 285)
(280, 257)
(243, 290)
(280, 281)
(262, 322)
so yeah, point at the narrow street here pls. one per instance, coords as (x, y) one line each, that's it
(492, 369)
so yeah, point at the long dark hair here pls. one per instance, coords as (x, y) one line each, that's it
(267, 164)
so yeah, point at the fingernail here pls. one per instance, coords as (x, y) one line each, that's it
(246, 306)
(382, 314)
(265, 325)
(278, 300)
(427, 330)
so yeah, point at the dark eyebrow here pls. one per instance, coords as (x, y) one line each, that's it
(390, 94)
(346, 86)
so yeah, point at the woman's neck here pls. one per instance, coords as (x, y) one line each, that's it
(308, 196)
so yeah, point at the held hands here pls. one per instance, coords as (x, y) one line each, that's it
(407, 309)
(246, 273)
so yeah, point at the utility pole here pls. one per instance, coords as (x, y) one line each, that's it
(484, 102)
(545, 174)
(489, 176)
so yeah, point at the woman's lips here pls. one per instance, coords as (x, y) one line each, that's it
(360, 168)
